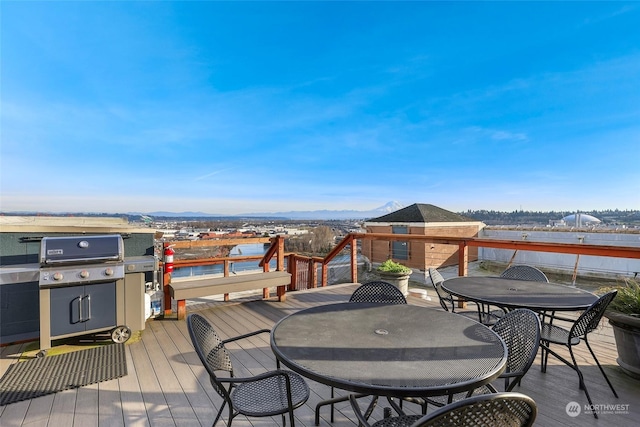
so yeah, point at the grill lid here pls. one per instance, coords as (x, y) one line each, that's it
(78, 249)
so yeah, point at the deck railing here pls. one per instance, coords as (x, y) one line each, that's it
(349, 244)
(304, 269)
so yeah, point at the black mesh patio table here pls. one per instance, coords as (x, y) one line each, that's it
(510, 293)
(389, 350)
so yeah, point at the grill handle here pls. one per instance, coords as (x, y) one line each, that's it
(80, 298)
(88, 297)
(81, 304)
(82, 260)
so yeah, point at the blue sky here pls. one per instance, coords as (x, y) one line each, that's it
(239, 107)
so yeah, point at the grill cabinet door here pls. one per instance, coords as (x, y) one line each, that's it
(101, 300)
(75, 309)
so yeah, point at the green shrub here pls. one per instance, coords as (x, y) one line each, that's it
(627, 301)
(390, 266)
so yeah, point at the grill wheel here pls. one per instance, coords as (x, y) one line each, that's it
(120, 334)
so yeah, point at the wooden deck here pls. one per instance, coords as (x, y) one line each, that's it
(167, 385)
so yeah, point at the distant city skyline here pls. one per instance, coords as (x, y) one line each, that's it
(239, 107)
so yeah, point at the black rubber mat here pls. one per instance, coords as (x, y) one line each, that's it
(51, 374)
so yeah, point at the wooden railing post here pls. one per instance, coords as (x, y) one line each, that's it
(280, 254)
(354, 261)
(292, 266)
(463, 266)
(225, 273)
(463, 258)
(225, 268)
(325, 273)
(313, 276)
(282, 290)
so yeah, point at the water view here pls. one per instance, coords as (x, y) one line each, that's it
(234, 267)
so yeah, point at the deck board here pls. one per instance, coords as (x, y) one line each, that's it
(167, 385)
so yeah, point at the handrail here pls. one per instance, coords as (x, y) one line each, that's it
(339, 247)
(566, 248)
(276, 248)
(464, 243)
(224, 241)
(180, 263)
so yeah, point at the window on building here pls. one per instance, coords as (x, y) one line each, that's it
(400, 250)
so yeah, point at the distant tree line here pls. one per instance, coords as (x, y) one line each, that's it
(610, 216)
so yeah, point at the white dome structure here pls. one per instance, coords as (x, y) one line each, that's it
(581, 219)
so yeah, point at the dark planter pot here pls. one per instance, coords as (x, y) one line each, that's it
(626, 330)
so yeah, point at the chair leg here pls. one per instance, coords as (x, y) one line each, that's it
(583, 385)
(546, 358)
(575, 367)
(331, 402)
(291, 420)
(544, 355)
(333, 395)
(220, 413)
(371, 407)
(418, 401)
(600, 366)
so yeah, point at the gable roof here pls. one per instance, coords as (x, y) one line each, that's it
(422, 213)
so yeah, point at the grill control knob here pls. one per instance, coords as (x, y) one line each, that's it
(84, 274)
(58, 276)
(108, 272)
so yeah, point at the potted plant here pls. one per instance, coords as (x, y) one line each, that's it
(624, 317)
(396, 274)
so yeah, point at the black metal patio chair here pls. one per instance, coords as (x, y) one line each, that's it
(374, 292)
(532, 274)
(484, 314)
(586, 323)
(520, 331)
(507, 409)
(271, 393)
(378, 291)
(524, 272)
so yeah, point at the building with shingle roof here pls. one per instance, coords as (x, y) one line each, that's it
(423, 219)
(421, 213)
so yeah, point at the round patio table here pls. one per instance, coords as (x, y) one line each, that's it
(389, 350)
(511, 293)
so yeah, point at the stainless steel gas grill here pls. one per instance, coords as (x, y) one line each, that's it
(79, 281)
(78, 260)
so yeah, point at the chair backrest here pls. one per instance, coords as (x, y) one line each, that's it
(443, 296)
(381, 292)
(210, 349)
(590, 318)
(436, 277)
(520, 330)
(524, 272)
(497, 410)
